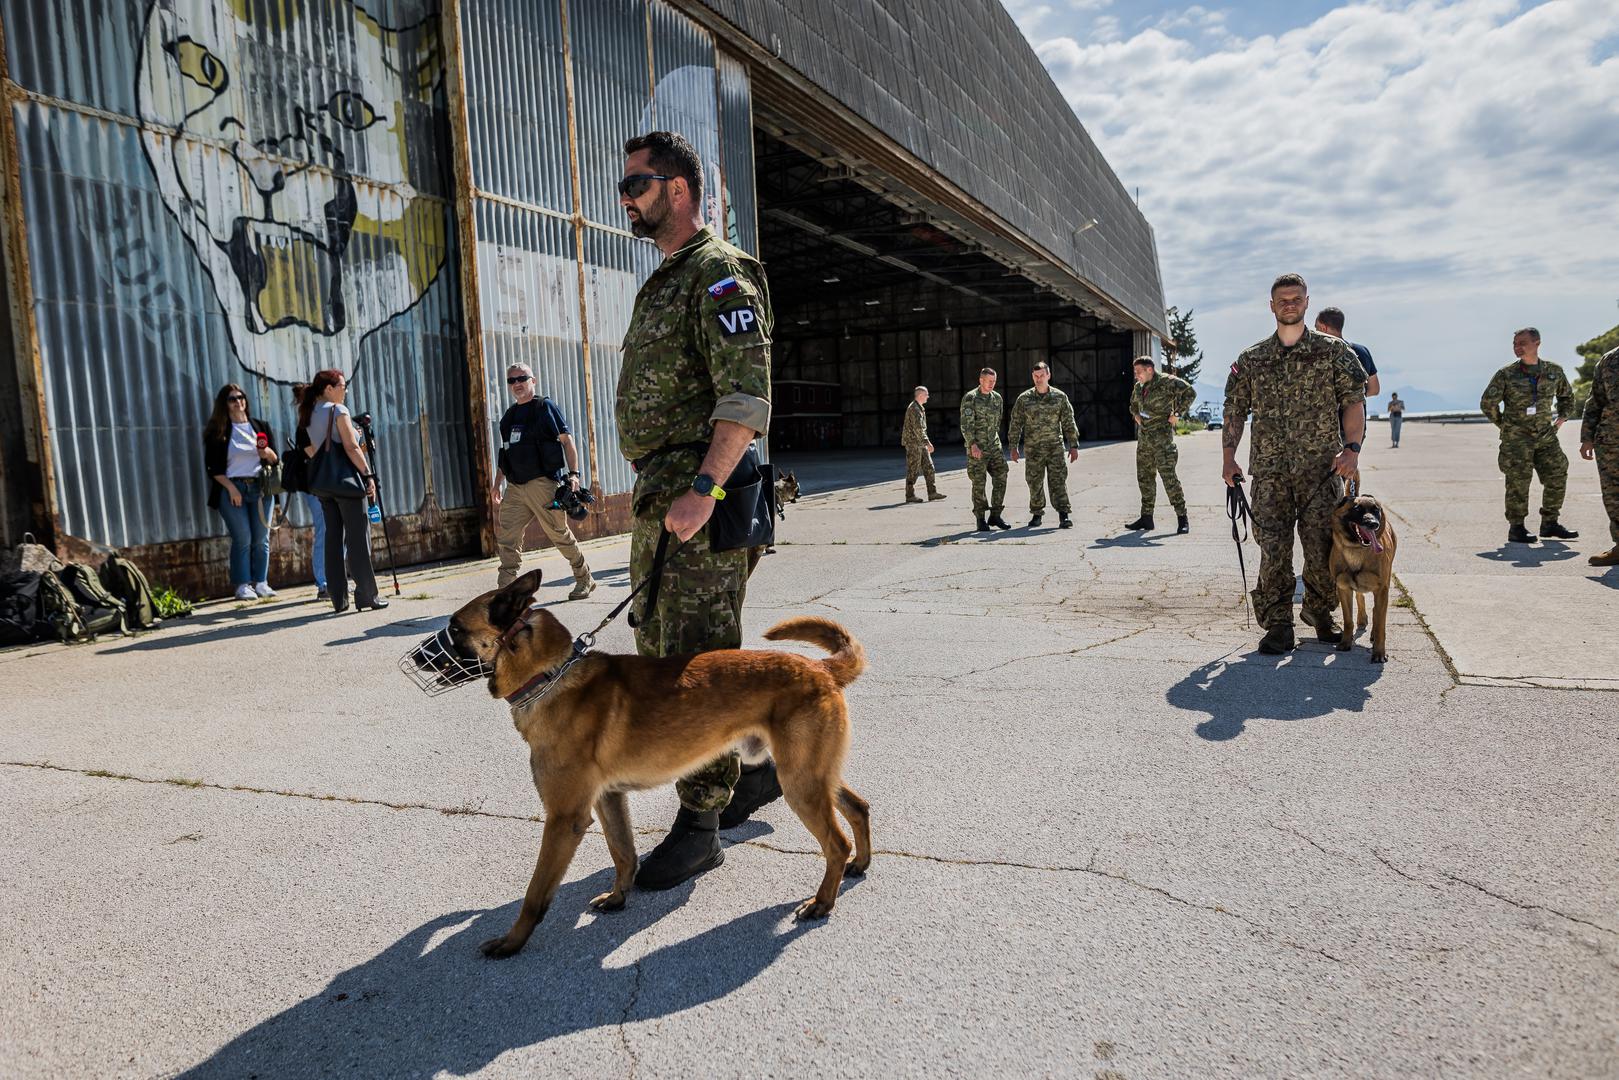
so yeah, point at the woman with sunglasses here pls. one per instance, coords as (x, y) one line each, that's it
(235, 447)
(324, 419)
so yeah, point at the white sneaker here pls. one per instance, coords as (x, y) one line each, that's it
(245, 592)
(262, 590)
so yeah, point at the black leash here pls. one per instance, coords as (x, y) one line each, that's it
(1237, 509)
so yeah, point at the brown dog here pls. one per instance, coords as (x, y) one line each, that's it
(612, 724)
(1362, 562)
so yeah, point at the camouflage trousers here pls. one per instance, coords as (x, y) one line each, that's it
(1282, 502)
(1157, 456)
(1047, 466)
(699, 608)
(1608, 475)
(1531, 453)
(918, 463)
(992, 464)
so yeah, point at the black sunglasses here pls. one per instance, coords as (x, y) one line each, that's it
(236, 397)
(635, 186)
(515, 379)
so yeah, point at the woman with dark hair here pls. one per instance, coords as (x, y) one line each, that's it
(323, 421)
(317, 547)
(235, 447)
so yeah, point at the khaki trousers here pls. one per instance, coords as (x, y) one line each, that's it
(521, 504)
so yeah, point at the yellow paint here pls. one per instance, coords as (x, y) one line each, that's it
(292, 284)
(418, 236)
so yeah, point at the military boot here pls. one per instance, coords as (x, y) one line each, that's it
(1141, 524)
(935, 496)
(1064, 520)
(1034, 521)
(1606, 558)
(911, 497)
(982, 527)
(1517, 534)
(757, 786)
(1277, 640)
(999, 522)
(692, 846)
(1551, 528)
(1326, 627)
(1182, 526)
(582, 587)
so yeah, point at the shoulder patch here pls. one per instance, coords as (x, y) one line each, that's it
(723, 287)
(741, 320)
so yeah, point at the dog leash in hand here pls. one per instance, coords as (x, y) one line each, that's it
(1238, 510)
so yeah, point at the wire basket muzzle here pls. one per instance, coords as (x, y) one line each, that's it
(436, 665)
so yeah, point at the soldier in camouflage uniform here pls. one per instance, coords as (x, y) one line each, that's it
(1043, 429)
(1156, 402)
(1599, 439)
(1529, 401)
(693, 394)
(1300, 385)
(981, 432)
(918, 448)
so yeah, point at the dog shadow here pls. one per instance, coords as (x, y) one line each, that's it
(1610, 578)
(1312, 681)
(431, 1004)
(1126, 540)
(1530, 555)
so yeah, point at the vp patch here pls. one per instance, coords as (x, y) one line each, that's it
(741, 320)
(723, 288)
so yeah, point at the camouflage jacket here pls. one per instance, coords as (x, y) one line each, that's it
(1516, 390)
(697, 350)
(981, 419)
(1043, 420)
(1296, 396)
(1159, 398)
(915, 433)
(1601, 424)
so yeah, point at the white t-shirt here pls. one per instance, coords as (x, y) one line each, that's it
(242, 457)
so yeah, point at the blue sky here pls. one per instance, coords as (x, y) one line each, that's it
(1443, 170)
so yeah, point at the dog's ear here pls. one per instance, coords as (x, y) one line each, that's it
(510, 602)
(1346, 500)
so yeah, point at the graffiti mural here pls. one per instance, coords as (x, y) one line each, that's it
(293, 176)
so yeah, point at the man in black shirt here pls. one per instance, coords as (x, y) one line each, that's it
(537, 457)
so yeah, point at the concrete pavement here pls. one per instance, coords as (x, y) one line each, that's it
(1114, 841)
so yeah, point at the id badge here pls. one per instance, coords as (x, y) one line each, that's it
(1530, 411)
(1146, 416)
(517, 436)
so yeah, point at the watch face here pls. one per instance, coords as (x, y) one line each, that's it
(702, 484)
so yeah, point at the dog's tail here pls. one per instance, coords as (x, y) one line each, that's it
(848, 659)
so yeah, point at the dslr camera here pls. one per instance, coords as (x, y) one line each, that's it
(571, 502)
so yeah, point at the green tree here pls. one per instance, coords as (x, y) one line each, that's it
(1180, 348)
(1590, 353)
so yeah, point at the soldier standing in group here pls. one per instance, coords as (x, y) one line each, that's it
(1043, 429)
(1157, 402)
(1522, 400)
(1301, 386)
(1599, 439)
(918, 450)
(693, 394)
(981, 430)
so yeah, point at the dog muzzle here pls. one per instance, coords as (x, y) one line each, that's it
(436, 666)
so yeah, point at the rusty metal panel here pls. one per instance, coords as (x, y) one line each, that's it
(517, 107)
(529, 279)
(615, 267)
(217, 191)
(612, 97)
(741, 203)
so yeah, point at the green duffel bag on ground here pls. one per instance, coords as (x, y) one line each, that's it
(124, 580)
(102, 612)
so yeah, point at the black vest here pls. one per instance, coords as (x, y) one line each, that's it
(529, 447)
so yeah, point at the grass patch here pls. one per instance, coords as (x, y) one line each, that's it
(181, 781)
(420, 596)
(1406, 602)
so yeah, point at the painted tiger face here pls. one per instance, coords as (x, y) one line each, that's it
(288, 166)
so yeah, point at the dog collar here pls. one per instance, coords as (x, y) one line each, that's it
(538, 686)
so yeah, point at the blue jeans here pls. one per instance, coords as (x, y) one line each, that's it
(249, 538)
(317, 548)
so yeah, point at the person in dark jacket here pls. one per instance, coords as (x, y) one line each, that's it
(317, 546)
(324, 418)
(235, 448)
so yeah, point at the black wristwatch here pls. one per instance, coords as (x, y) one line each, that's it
(703, 484)
(1353, 446)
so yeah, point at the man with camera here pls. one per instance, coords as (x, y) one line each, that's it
(539, 468)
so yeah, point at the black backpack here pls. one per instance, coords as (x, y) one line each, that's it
(101, 611)
(124, 580)
(294, 468)
(59, 615)
(19, 608)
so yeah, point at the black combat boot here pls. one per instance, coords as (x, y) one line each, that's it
(1141, 524)
(1034, 522)
(999, 522)
(1326, 627)
(1277, 640)
(692, 846)
(1182, 526)
(1064, 521)
(981, 526)
(1517, 534)
(1551, 528)
(757, 786)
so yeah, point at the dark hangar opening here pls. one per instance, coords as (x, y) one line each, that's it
(875, 295)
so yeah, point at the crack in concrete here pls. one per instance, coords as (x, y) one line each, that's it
(1527, 906)
(1043, 656)
(1384, 859)
(624, 1019)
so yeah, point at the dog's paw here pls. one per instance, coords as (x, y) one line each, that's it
(497, 949)
(1345, 646)
(854, 869)
(812, 909)
(1380, 658)
(1360, 625)
(608, 901)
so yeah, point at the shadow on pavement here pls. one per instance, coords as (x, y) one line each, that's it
(990, 534)
(1610, 579)
(1530, 555)
(228, 632)
(418, 626)
(412, 1014)
(1126, 540)
(1313, 680)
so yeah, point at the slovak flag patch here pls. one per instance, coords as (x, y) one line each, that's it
(723, 288)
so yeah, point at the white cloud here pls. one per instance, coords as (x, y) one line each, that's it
(1433, 150)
